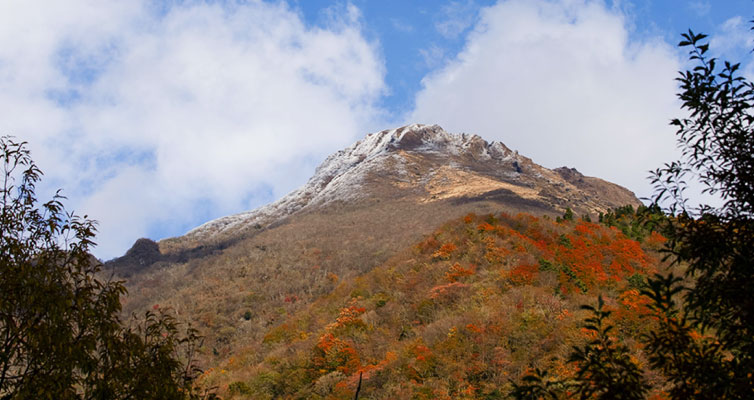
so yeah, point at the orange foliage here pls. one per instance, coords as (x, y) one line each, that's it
(523, 274)
(635, 308)
(456, 271)
(422, 361)
(588, 333)
(573, 256)
(564, 314)
(428, 245)
(348, 317)
(485, 227)
(629, 256)
(586, 228)
(369, 370)
(494, 254)
(447, 290)
(444, 251)
(595, 260)
(656, 240)
(334, 354)
(635, 302)
(695, 335)
(421, 352)
(590, 254)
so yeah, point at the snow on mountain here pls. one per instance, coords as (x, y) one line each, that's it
(430, 164)
(341, 175)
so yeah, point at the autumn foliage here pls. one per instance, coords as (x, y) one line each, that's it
(463, 314)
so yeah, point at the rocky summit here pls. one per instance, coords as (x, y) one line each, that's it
(426, 164)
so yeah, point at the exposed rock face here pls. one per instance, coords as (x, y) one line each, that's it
(606, 192)
(429, 164)
(142, 254)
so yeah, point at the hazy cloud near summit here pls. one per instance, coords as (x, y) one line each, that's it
(561, 82)
(157, 118)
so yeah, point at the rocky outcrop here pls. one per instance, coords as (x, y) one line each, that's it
(141, 255)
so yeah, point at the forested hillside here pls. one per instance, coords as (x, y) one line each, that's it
(462, 314)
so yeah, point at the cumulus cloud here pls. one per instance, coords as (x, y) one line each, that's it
(561, 82)
(154, 119)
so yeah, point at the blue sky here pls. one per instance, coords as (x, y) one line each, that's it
(155, 117)
(416, 37)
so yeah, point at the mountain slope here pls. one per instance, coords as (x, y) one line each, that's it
(460, 314)
(235, 277)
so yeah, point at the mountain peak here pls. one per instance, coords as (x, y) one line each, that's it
(426, 138)
(426, 163)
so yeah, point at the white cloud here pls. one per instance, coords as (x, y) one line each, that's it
(732, 36)
(700, 7)
(455, 17)
(401, 25)
(561, 82)
(158, 118)
(433, 56)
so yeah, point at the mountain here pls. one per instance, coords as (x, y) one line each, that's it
(426, 164)
(420, 167)
(239, 276)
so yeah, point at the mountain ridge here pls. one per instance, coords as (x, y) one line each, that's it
(342, 175)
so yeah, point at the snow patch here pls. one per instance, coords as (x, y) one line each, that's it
(341, 175)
